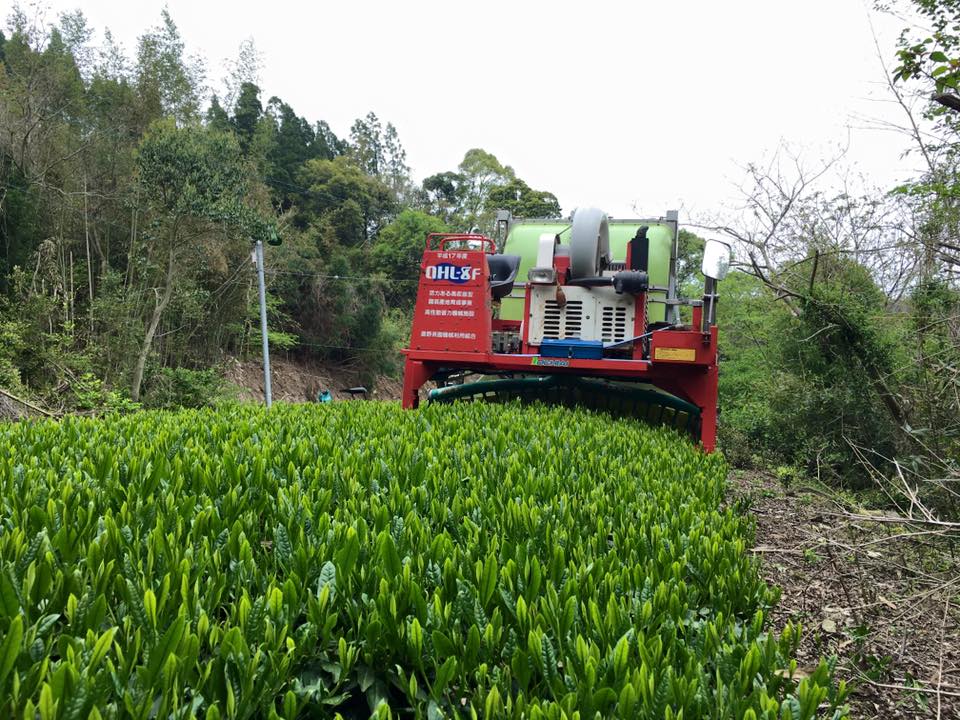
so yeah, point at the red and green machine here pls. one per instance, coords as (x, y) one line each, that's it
(582, 311)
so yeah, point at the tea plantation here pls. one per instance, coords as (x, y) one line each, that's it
(355, 560)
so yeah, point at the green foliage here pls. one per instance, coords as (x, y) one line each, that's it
(128, 207)
(689, 256)
(469, 198)
(933, 58)
(383, 353)
(378, 153)
(399, 249)
(344, 200)
(191, 173)
(89, 394)
(523, 201)
(20, 227)
(750, 334)
(803, 389)
(167, 81)
(481, 172)
(929, 378)
(246, 115)
(12, 344)
(314, 560)
(840, 350)
(442, 195)
(294, 141)
(193, 183)
(184, 388)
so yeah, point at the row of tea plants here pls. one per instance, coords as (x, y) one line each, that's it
(355, 560)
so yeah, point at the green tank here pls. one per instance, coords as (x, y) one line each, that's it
(523, 239)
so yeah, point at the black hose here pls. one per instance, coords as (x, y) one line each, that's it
(592, 281)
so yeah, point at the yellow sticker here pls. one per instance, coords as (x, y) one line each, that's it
(665, 353)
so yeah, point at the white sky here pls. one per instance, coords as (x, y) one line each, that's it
(614, 104)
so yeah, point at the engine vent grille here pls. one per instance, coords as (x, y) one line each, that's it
(563, 322)
(613, 323)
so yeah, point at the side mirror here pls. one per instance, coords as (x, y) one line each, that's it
(716, 260)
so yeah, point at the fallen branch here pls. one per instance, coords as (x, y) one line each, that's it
(778, 551)
(899, 520)
(907, 688)
(25, 403)
(943, 629)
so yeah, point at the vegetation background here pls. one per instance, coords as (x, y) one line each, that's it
(130, 193)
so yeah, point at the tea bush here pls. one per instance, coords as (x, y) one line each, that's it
(315, 561)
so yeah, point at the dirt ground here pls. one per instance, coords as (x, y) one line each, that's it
(880, 595)
(301, 382)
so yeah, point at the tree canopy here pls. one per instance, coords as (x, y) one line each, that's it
(131, 192)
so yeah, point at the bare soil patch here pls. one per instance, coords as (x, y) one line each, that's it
(881, 596)
(293, 381)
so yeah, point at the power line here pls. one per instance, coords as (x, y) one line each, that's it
(326, 276)
(333, 347)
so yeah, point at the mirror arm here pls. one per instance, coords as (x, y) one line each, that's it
(710, 297)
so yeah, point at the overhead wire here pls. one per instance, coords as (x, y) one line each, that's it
(346, 278)
(327, 276)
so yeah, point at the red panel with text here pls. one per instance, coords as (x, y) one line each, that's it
(453, 310)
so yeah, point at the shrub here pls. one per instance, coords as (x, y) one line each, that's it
(184, 388)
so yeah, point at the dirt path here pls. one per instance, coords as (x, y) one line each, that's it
(886, 603)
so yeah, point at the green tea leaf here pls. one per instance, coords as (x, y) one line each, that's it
(164, 647)
(327, 579)
(442, 645)
(389, 557)
(346, 556)
(445, 674)
(101, 647)
(10, 648)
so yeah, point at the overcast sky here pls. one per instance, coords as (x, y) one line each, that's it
(644, 104)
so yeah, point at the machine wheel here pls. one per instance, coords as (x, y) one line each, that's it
(589, 243)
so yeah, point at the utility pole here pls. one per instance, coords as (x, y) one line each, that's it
(258, 258)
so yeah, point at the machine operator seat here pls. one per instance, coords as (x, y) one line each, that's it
(503, 271)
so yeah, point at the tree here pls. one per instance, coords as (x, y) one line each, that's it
(193, 188)
(378, 152)
(523, 201)
(295, 141)
(348, 201)
(480, 172)
(689, 255)
(789, 233)
(934, 59)
(76, 35)
(246, 115)
(328, 145)
(396, 172)
(929, 64)
(41, 102)
(367, 145)
(217, 118)
(169, 82)
(442, 195)
(242, 70)
(42, 98)
(399, 249)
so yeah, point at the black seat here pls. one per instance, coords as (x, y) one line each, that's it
(503, 271)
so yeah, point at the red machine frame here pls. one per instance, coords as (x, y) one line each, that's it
(453, 328)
